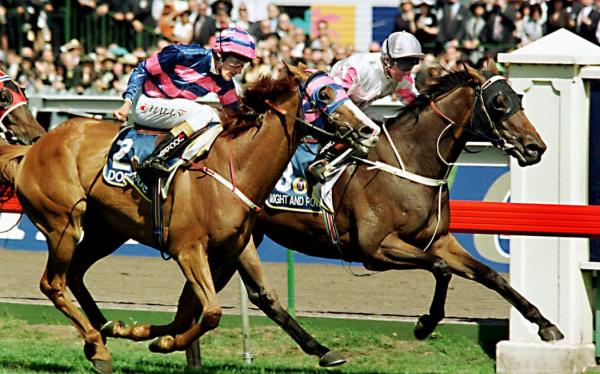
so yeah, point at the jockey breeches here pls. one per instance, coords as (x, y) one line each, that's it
(160, 113)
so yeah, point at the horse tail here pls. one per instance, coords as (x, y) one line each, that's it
(10, 158)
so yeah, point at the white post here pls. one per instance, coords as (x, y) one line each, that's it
(547, 270)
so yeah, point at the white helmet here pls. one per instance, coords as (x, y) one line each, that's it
(401, 44)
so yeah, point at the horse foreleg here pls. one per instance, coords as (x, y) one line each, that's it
(395, 253)
(61, 247)
(264, 297)
(98, 242)
(195, 267)
(188, 310)
(463, 264)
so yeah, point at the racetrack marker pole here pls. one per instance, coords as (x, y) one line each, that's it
(291, 303)
(248, 357)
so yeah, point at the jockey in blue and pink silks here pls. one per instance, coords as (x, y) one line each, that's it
(367, 77)
(162, 90)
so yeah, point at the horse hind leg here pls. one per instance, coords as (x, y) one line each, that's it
(463, 264)
(62, 241)
(188, 309)
(394, 253)
(263, 296)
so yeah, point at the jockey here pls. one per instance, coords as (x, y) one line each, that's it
(368, 77)
(162, 90)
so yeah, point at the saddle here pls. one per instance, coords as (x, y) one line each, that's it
(134, 144)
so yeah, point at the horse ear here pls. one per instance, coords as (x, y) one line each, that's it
(490, 65)
(294, 71)
(474, 73)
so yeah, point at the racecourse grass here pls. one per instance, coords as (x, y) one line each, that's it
(51, 348)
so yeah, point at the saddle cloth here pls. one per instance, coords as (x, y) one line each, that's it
(133, 146)
(291, 193)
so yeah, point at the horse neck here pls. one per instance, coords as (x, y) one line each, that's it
(418, 142)
(260, 156)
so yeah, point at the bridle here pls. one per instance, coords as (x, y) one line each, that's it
(316, 114)
(11, 98)
(490, 132)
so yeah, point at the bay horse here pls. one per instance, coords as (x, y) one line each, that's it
(17, 123)
(59, 185)
(395, 216)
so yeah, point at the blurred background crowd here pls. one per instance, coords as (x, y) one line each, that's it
(90, 46)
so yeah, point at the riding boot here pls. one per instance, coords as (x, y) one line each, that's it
(328, 153)
(174, 140)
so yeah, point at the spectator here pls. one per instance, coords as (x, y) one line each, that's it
(405, 19)
(284, 25)
(586, 21)
(452, 23)
(221, 10)
(166, 23)
(426, 25)
(532, 25)
(272, 16)
(559, 17)
(205, 26)
(473, 30)
(299, 42)
(500, 27)
(142, 16)
(242, 21)
(183, 28)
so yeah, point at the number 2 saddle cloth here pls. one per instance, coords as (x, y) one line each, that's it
(133, 145)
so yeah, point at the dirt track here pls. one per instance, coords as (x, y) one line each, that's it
(144, 282)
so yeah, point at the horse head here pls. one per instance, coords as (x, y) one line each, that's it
(498, 116)
(326, 104)
(17, 123)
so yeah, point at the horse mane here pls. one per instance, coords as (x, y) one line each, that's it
(440, 86)
(253, 102)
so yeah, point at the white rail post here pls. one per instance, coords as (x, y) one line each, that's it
(547, 270)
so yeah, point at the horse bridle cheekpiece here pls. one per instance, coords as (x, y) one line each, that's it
(11, 97)
(321, 96)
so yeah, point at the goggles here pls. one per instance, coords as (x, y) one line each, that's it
(405, 64)
(235, 62)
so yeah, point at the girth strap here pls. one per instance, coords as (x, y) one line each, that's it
(157, 220)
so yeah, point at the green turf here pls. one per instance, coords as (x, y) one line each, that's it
(51, 348)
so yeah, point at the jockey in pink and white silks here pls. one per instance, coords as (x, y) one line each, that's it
(162, 90)
(367, 77)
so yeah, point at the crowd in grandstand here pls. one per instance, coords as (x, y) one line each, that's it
(35, 53)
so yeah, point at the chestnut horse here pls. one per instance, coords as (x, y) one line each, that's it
(59, 184)
(395, 216)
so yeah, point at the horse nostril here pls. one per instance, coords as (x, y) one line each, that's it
(534, 149)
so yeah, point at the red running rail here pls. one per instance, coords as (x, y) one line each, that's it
(525, 219)
(498, 218)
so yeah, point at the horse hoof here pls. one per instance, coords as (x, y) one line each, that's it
(331, 358)
(102, 366)
(425, 326)
(550, 333)
(109, 329)
(163, 344)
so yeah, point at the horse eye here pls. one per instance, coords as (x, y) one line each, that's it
(5, 98)
(500, 102)
(324, 95)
